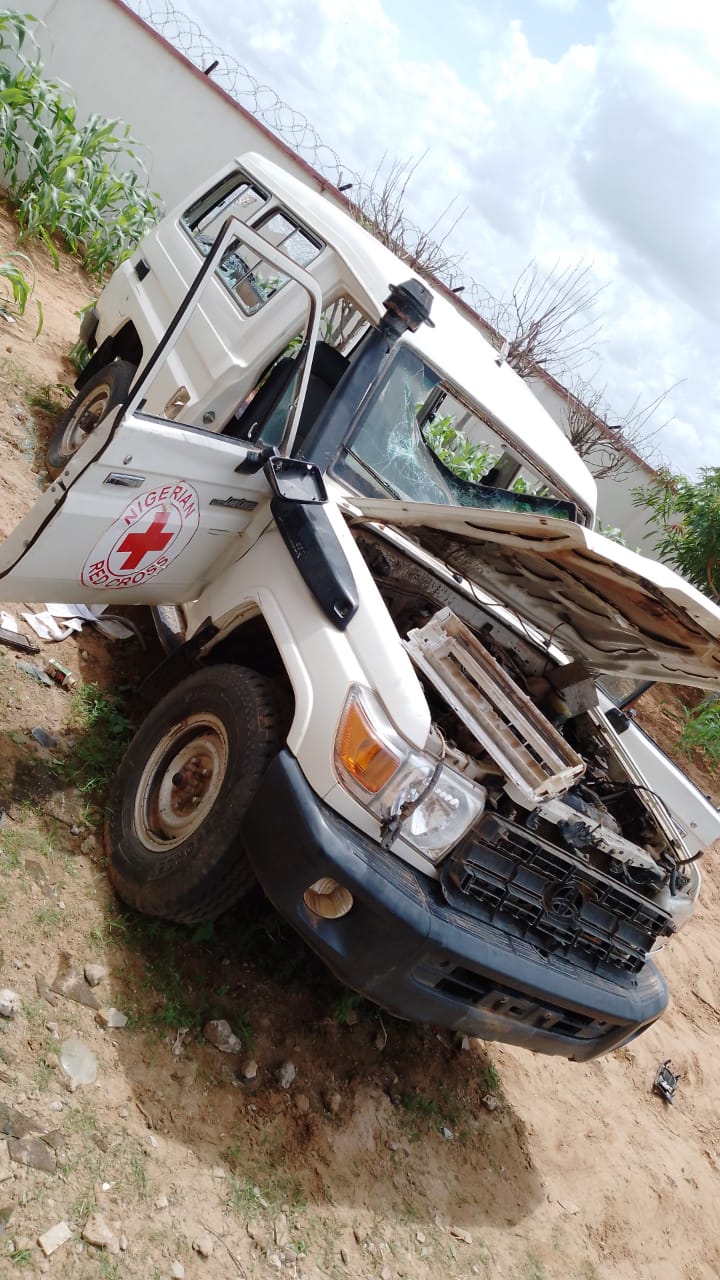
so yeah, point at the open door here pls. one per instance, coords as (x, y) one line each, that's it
(150, 511)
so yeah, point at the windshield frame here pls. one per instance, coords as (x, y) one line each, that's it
(355, 470)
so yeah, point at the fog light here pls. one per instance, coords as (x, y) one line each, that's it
(328, 899)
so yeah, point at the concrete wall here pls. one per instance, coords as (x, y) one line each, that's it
(120, 67)
(615, 503)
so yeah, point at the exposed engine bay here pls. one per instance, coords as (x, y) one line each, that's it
(572, 853)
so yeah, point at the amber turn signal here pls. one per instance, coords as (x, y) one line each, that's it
(362, 752)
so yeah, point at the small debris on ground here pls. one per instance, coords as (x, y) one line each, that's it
(97, 1232)
(14, 1123)
(78, 1061)
(44, 738)
(220, 1034)
(34, 1153)
(569, 1206)
(286, 1074)
(30, 669)
(460, 1234)
(111, 1018)
(70, 982)
(95, 974)
(10, 1003)
(204, 1245)
(54, 1238)
(490, 1102)
(666, 1081)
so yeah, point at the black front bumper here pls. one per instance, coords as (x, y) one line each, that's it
(402, 946)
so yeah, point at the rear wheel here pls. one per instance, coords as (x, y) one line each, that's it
(181, 793)
(101, 393)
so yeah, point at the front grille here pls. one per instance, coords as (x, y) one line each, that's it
(506, 875)
(482, 993)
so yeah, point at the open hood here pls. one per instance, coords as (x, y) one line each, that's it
(614, 609)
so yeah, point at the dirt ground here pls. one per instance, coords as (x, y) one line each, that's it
(393, 1152)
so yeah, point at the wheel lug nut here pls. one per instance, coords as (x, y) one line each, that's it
(177, 780)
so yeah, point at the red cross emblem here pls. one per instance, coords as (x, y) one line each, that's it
(135, 546)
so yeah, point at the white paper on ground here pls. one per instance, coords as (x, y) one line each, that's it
(8, 621)
(113, 629)
(45, 626)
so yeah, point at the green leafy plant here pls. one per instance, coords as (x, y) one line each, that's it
(18, 289)
(701, 729)
(612, 532)
(104, 732)
(79, 180)
(466, 460)
(686, 515)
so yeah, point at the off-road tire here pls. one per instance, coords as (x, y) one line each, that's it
(101, 393)
(171, 854)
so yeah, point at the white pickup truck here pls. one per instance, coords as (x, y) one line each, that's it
(390, 697)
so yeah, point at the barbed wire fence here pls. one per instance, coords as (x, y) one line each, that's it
(294, 129)
(291, 126)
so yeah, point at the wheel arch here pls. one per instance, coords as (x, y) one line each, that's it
(123, 345)
(252, 644)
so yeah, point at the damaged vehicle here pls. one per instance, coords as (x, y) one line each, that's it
(393, 691)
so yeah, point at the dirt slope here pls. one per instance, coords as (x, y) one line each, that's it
(394, 1152)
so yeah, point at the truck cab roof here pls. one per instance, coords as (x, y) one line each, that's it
(455, 347)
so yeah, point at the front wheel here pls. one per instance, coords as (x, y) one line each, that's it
(182, 790)
(101, 393)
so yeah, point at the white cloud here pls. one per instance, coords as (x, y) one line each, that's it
(560, 6)
(609, 152)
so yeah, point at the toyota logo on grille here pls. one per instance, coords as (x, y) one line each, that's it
(566, 899)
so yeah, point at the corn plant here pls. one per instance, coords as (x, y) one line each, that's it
(17, 288)
(79, 181)
(466, 460)
(701, 729)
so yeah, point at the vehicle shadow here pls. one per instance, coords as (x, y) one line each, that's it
(381, 1120)
(378, 1110)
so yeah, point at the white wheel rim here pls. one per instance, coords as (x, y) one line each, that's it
(181, 782)
(85, 419)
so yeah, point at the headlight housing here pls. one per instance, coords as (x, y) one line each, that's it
(413, 794)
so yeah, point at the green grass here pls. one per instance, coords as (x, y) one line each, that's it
(172, 988)
(348, 1007)
(491, 1078)
(11, 845)
(21, 1257)
(103, 733)
(52, 398)
(47, 919)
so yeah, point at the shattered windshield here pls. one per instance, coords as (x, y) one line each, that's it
(415, 439)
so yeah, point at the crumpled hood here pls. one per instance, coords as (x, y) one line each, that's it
(616, 610)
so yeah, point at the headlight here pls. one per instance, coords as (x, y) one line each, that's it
(412, 794)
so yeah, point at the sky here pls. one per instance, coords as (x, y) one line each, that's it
(566, 130)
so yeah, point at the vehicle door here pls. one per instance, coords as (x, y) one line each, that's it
(151, 511)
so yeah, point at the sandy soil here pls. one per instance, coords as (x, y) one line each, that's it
(381, 1159)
